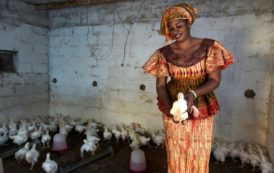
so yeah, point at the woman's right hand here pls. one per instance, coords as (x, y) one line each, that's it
(162, 107)
(163, 103)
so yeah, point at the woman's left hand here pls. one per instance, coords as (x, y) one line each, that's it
(190, 99)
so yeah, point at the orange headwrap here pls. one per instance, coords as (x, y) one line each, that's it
(179, 11)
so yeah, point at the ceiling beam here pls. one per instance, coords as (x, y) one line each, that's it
(73, 3)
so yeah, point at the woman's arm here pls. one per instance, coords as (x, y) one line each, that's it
(163, 97)
(213, 82)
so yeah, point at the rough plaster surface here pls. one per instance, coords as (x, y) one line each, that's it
(22, 29)
(270, 132)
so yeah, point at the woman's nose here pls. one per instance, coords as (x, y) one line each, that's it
(176, 31)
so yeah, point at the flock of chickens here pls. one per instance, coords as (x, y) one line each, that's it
(40, 130)
(253, 154)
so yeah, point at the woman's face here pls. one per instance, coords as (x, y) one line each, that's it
(179, 29)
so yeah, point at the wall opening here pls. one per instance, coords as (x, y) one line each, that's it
(7, 59)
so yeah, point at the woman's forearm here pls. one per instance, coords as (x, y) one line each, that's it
(212, 83)
(163, 97)
(209, 86)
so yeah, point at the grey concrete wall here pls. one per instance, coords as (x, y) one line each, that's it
(109, 43)
(25, 30)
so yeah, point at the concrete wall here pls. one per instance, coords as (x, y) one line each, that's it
(270, 137)
(108, 44)
(25, 30)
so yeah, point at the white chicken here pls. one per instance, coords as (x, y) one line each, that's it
(265, 165)
(158, 139)
(137, 128)
(80, 128)
(12, 125)
(52, 125)
(4, 128)
(45, 126)
(21, 153)
(93, 139)
(49, 166)
(46, 138)
(107, 134)
(64, 128)
(220, 151)
(132, 134)
(20, 138)
(68, 127)
(85, 147)
(31, 126)
(22, 127)
(12, 131)
(32, 156)
(124, 133)
(179, 109)
(4, 138)
(254, 157)
(233, 151)
(135, 141)
(92, 131)
(93, 124)
(88, 147)
(144, 140)
(36, 134)
(117, 133)
(244, 156)
(135, 144)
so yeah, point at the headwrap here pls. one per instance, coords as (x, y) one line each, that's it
(179, 11)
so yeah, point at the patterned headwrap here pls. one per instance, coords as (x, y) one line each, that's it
(179, 11)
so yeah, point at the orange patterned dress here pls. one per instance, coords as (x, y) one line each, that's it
(188, 145)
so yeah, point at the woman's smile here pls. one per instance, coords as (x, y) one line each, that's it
(179, 36)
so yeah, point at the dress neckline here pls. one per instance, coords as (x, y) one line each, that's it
(193, 54)
(174, 56)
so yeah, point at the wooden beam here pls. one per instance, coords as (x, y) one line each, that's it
(73, 3)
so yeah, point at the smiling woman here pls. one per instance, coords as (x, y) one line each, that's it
(179, 29)
(194, 67)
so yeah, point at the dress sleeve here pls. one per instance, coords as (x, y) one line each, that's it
(218, 57)
(156, 65)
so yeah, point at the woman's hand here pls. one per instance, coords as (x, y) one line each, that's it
(164, 103)
(162, 107)
(189, 97)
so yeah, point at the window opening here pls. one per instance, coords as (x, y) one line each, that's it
(7, 59)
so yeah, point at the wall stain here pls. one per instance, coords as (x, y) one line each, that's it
(146, 97)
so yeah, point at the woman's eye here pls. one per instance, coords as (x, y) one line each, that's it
(179, 26)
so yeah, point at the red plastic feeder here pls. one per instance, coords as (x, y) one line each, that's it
(137, 162)
(59, 143)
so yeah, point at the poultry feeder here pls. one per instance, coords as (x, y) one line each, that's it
(138, 162)
(59, 143)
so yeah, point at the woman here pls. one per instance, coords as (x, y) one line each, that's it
(194, 66)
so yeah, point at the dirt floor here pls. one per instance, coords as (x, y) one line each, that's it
(117, 162)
